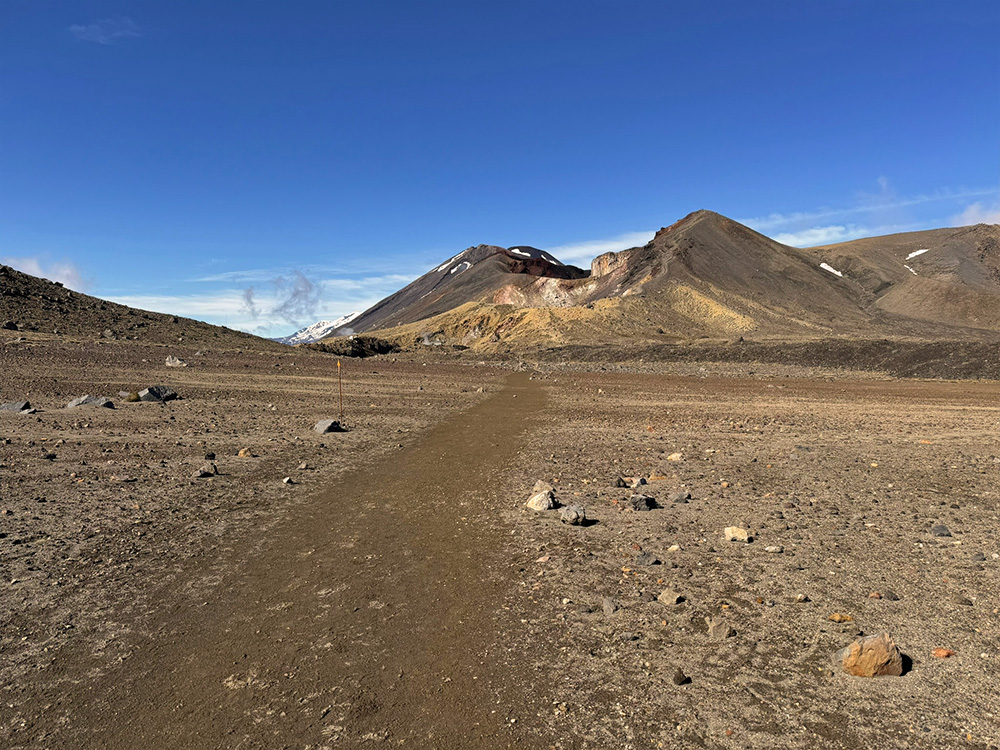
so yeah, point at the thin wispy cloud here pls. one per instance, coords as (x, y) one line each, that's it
(979, 213)
(877, 212)
(63, 271)
(106, 31)
(588, 250)
(871, 203)
(826, 235)
(834, 233)
(244, 276)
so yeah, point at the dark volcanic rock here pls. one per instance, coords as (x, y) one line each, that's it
(640, 502)
(157, 393)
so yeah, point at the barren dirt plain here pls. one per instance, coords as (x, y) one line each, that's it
(397, 591)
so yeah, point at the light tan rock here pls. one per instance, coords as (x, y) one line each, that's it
(872, 656)
(669, 596)
(542, 501)
(719, 629)
(737, 534)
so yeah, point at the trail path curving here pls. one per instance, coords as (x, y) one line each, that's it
(380, 613)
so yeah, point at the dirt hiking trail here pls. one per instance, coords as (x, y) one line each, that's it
(379, 613)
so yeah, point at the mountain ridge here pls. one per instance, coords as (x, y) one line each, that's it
(707, 275)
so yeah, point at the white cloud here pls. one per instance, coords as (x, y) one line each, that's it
(590, 249)
(832, 234)
(242, 277)
(106, 31)
(61, 271)
(881, 201)
(827, 235)
(979, 213)
(276, 309)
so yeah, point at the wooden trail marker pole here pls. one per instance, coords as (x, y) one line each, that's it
(340, 383)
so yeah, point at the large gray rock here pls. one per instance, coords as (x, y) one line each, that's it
(91, 401)
(15, 406)
(574, 515)
(328, 425)
(157, 393)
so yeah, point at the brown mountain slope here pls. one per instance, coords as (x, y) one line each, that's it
(707, 276)
(475, 274)
(32, 305)
(942, 276)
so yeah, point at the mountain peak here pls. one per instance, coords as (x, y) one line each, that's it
(318, 331)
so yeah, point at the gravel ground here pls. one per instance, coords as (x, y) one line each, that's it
(107, 541)
(846, 478)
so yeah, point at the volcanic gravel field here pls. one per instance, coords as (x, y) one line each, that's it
(397, 591)
(846, 477)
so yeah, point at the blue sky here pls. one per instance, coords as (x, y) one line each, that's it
(266, 164)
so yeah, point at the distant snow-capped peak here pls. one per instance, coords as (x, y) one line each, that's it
(318, 331)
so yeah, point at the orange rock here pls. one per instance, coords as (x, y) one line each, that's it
(873, 656)
(942, 653)
(840, 617)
